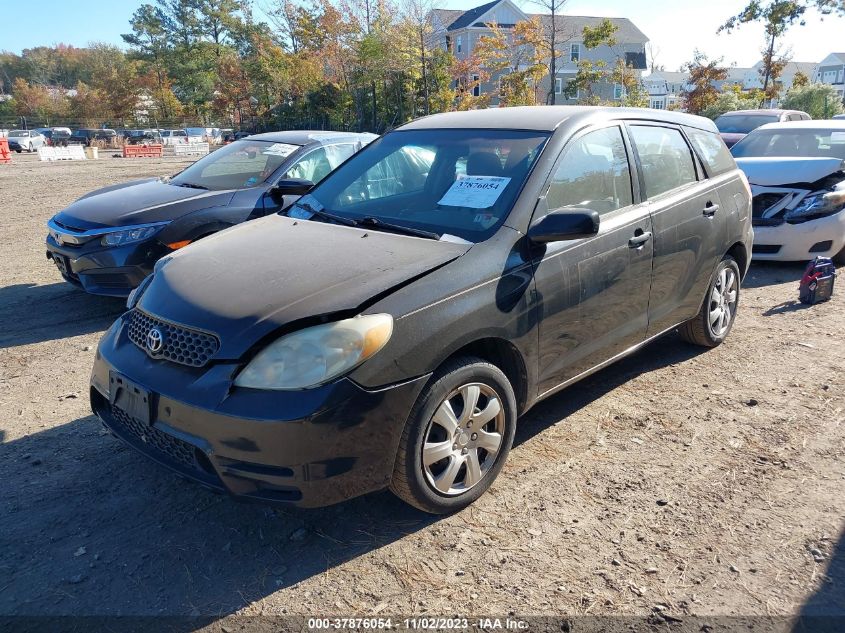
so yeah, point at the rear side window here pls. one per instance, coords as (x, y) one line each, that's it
(712, 150)
(665, 157)
(594, 174)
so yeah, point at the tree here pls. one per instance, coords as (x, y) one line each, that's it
(515, 56)
(703, 74)
(777, 16)
(799, 80)
(554, 36)
(730, 100)
(820, 101)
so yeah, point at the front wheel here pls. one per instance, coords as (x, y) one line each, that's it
(457, 437)
(714, 321)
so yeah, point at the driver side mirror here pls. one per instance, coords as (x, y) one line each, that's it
(571, 223)
(292, 187)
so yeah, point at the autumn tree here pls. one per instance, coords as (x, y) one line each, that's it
(554, 36)
(799, 80)
(776, 16)
(514, 55)
(700, 92)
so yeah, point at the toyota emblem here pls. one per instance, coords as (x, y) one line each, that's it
(155, 340)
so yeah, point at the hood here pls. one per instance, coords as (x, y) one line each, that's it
(732, 138)
(771, 171)
(138, 202)
(248, 281)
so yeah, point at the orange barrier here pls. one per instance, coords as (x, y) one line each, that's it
(143, 151)
(5, 155)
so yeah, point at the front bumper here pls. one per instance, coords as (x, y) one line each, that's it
(308, 448)
(800, 242)
(112, 271)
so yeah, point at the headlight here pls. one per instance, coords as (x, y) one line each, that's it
(130, 235)
(135, 296)
(818, 204)
(316, 355)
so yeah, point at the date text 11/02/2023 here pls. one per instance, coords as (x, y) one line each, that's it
(417, 623)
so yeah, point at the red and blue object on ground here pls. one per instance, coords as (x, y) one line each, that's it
(817, 283)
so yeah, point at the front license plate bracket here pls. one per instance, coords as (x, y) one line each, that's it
(130, 397)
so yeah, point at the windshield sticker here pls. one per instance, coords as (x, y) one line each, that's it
(280, 149)
(475, 192)
(486, 220)
(304, 208)
(837, 137)
(251, 181)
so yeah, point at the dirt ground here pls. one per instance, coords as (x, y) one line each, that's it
(676, 482)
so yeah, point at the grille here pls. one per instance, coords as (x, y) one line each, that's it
(174, 448)
(179, 345)
(765, 249)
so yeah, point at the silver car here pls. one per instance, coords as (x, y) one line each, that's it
(29, 140)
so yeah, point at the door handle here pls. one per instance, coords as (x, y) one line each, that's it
(710, 209)
(639, 239)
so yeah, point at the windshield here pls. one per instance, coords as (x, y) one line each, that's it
(792, 143)
(19, 133)
(743, 124)
(458, 182)
(237, 166)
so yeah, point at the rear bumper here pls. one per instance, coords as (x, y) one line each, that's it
(800, 242)
(106, 271)
(309, 448)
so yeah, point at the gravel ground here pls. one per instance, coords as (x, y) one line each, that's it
(678, 481)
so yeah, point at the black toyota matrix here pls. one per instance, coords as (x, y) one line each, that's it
(109, 240)
(390, 327)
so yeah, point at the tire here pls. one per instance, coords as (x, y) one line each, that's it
(714, 321)
(472, 453)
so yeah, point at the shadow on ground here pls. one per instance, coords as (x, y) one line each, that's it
(769, 273)
(824, 611)
(35, 313)
(89, 527)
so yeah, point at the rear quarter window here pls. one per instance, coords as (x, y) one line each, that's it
(712, 150)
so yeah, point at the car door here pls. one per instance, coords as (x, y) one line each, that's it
(688, 219)
(593, 292)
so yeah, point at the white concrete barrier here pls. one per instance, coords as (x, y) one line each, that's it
(71, 152)
(184, 149)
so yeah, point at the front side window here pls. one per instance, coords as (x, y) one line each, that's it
(665, 158)
(461, 182)
(594, 174)
(317, 164)
(712, 151)
(240, 165)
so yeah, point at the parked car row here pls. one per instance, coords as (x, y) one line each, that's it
(391, 307)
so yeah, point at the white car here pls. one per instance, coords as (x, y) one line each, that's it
(174, 137)
(26, 140)
(797, 176)
(195, 134)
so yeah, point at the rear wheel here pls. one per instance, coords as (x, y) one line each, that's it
(457, 437)
(714, 321)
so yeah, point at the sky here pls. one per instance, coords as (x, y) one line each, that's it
(675, 27)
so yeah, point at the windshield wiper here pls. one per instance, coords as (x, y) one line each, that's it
(407, 230)
(192, 185)
(325, 214)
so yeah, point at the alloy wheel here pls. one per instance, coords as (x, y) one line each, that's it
(723, 301)
(463, 439)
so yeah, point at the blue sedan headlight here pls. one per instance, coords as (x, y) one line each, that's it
(131, 235)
